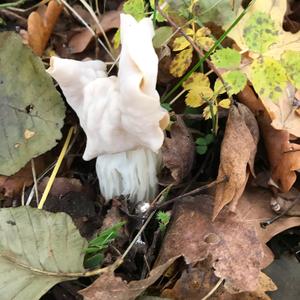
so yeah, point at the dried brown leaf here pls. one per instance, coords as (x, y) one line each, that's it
(178, 152)
(194, 283)
(234, 246)
(11, 186)
(284, 157)
(80, 41)
(237, 156)
(265, 285)
(40, 27)
(108, 286)
(254, 207)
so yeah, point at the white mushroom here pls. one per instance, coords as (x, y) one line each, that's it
(121, 116)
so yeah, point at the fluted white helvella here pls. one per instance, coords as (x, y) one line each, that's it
(120, 115)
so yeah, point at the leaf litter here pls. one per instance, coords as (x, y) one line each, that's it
(220, 235)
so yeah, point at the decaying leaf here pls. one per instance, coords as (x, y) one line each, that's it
(237, 156)
(265, 285)
(234, 246)
(194, 283)
(37, 249)
(40, 27)
(29, 102)
(181, 62)
(108, 286)
(284, 157)
(178, 151)
(274, 71)
(254, 207)
(80, 41)
(11, 186)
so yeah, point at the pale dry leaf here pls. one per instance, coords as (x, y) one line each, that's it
(265, 285)
(108, 286)
(79, 41)
(237, 156)
(234, 246)
(41, 27)
(178, 151)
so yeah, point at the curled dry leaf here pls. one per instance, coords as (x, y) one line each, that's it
(80, 41)
(284, 157)
(178, 151)
(41, 27)
(237, 156)
(108, 286)
(11, 186)
(234, 246)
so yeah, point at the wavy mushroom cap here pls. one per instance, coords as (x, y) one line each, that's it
(121, 113)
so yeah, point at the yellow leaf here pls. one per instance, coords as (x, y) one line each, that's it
(225, 103)
(189, 31)
(219, 87)
(180, 43)
(198, 96)
(205, 42)
(181, 62)
(196, 80)
(207, 112)
(203, 31)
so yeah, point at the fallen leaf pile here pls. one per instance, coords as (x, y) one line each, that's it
(224, 223)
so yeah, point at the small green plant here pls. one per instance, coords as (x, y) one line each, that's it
(94, 252)
(163, 219)
(203, 143)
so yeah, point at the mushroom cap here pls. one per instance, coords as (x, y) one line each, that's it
(121, 113)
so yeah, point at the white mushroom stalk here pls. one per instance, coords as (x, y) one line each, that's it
(121, 116)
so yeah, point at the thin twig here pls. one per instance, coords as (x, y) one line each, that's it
(272, 220)
(194, 45)
(213, 289)
(34, 181)
(12, 4)
(191, 193)
(88, 27)
(92, 13)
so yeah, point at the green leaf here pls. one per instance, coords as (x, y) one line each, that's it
(166, 106)
(201, 149)
(159, 17)
(162, 34)
(94, 261)
(268, 78)
(37, 249)
(291, 62)
(117, 39)
(209, 138)
(235, 81)
(218, 11)
(260, 32)
(226, 58)
(201, 141)
(219, 87)
(32, 111)
(136, 8)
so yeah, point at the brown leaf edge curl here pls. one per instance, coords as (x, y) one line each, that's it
(284, 157)
(40, 27)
